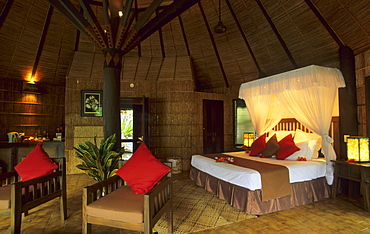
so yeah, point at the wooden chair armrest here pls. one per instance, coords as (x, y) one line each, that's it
(98, 190)
(158, 200)
(8, 178)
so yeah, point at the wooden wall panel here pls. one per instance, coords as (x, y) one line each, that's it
(30, 113)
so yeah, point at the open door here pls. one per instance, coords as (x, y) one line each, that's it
(213, 126)
(134, 123)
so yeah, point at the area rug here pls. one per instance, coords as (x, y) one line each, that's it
(195, 209)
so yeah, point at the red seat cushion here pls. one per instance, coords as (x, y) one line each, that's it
(258, 145)
(142, 171)
(36, 163)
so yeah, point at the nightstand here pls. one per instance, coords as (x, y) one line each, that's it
(359, 172)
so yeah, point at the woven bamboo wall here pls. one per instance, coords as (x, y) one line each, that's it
(175, 109)
(362, 72)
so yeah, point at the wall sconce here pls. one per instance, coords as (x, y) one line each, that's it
(358, 148)
(248, 138)
(30, 87)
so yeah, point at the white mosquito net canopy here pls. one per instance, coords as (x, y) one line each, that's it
(308, 94)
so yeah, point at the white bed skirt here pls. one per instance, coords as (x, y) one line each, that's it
(303, 193)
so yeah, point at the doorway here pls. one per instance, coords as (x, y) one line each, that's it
(213, 126)
(134, 124)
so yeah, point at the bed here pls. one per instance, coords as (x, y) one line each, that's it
(308, 94)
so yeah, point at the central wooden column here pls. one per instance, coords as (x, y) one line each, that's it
(348, 124)
(111, 94)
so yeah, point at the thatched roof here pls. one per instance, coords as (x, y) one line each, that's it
(263, 37)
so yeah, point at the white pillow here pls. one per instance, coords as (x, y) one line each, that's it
(303, 152)
(315, 141)
(280, 134)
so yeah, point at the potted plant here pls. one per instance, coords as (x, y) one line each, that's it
(99, 163)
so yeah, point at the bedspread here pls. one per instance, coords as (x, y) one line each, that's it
(274, 178)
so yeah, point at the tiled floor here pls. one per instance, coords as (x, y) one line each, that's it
(342, 215)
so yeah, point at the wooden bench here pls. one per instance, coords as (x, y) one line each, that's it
(112, 203)
(17, 197)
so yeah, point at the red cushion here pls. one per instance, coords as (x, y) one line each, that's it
(287, 147)
(142, 171)
(36, 163)
(258, 145)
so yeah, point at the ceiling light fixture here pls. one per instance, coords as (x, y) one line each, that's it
(220, 27)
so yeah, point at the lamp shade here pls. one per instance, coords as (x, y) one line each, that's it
(248, 138)
(358, 148)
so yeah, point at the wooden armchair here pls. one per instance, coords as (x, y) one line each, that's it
(120, 207)
(17, 197)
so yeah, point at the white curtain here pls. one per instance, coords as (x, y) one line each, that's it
(308, 93)
(313, 107)
(265, 112)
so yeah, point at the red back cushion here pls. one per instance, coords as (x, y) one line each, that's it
(142, 171)
(258, 145)
(36, 163)
(287, 147)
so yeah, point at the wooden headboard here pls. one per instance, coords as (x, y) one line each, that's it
(291, 124)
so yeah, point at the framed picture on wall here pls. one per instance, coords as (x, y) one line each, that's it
(91, 103)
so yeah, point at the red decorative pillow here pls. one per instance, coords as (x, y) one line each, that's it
(142, 171)
(258, 145)
(36, 163)
(287, 147)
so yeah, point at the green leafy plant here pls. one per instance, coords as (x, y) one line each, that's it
(99, 163)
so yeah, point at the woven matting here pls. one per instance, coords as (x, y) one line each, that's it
(196, 209)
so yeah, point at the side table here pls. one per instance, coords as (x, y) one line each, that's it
(359, 172)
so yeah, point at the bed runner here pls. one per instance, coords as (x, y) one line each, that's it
(274, 178)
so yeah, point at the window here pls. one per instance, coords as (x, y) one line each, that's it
(242, 121)
(127, 131)
(134, 124)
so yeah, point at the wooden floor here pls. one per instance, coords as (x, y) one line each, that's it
(342, 215)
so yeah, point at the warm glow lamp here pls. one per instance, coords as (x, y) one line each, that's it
(358, 148)
(248, 138)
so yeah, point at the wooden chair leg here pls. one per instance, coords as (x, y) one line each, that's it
(86, 227)
(170, 219)
(16, 209)
(63, 207)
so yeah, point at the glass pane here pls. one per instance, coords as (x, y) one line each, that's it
(127, 128)
(243, 122)
(128, 150)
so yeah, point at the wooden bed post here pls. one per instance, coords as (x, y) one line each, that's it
(348, 124)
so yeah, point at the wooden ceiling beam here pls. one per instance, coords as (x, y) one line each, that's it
(324, 23)
(123, 26)
(184, 35)
(5, 12)
(80, 23)
(161, 41)
(165, 16)
(131, 36)
(42, 40)
(214, 45)
(282, 42)
(94, 22)
(76, 18)
(261, 73)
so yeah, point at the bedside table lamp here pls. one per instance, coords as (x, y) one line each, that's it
(358, 148)
(248, 138)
